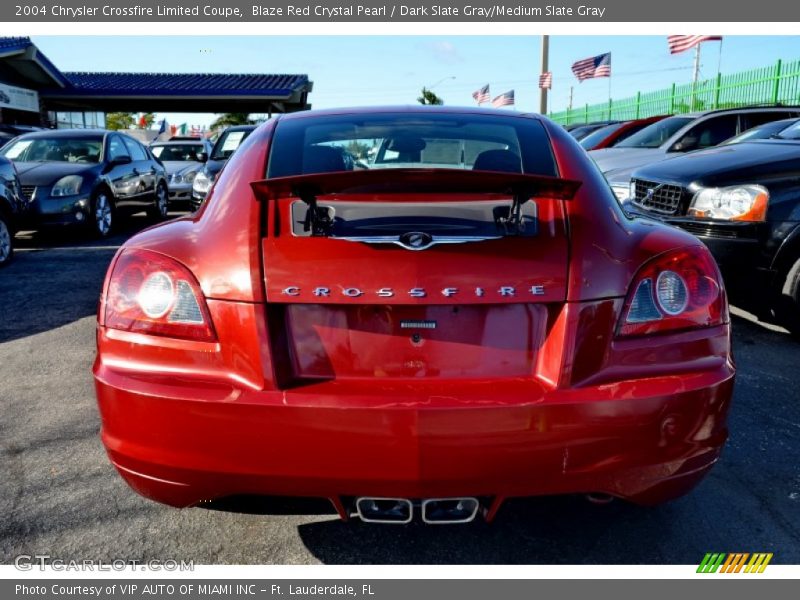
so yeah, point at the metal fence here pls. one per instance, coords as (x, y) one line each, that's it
(779, 83)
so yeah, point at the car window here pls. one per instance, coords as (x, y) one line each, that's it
(753, 119)
(83, 149)
(594, 138)
(656, 134)
(228, 142)
(116, 148)
(177, 152)
(707, 133)
(135, 150)
(402, 141)
(761, 132)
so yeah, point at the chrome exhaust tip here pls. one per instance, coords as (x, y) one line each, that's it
(449, 511)
(395, 511)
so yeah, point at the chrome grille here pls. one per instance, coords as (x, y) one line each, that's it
(658, 197)
(28, 191)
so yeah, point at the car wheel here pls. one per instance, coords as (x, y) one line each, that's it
(787, 308)
(161, 209)
(102, 214)
(6, 242)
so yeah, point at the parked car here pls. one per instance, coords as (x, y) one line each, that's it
(87, 177)
(11, 206)
(476, 322)
(612, 134)
(677, 135)
(226, 144)
(9, 132)
(581, 131)
(743, 202)
(183, 159)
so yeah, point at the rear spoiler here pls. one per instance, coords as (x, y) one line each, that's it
(521, 187)
(421, 181)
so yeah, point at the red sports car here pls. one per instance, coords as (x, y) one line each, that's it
(415, 313)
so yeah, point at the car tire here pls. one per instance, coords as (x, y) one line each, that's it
(6, 242)
(103, 213)
(787, 307)
(160, 210)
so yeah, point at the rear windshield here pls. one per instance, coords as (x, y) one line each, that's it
(656, 134)
(332, 143)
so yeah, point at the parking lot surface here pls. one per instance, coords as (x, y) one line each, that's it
(59, 495)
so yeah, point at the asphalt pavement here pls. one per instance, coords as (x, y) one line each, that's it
(60, 496)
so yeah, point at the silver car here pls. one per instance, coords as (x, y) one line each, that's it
(183, 159)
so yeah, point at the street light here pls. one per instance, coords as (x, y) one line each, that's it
(442, 80)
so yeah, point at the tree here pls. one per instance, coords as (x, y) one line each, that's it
(428, 97)
(119, 120)
(230, 119)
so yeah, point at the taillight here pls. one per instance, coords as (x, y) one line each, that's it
(151, 293)
(681, 289)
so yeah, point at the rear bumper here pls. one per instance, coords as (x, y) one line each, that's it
(644, 440)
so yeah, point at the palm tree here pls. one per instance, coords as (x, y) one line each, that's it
(230, 119)
(428, 97)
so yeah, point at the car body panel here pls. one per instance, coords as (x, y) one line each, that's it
(507, 397)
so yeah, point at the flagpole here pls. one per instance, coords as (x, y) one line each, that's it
(719, 58)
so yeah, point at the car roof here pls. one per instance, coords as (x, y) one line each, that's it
(176, 142)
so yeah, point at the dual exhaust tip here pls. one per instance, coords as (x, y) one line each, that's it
(434, 511)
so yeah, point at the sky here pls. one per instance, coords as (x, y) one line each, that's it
(375, 70)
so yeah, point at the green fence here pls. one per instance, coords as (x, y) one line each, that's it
(779, 83)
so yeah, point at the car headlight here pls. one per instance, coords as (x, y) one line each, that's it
(189, 177)
(621, 191)
(67, 186)
(201, 183)
(733, 203)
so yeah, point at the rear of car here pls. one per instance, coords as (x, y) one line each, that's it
(412, 309)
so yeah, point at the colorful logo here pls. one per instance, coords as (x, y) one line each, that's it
(738, 562)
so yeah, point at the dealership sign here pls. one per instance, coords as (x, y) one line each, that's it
(18, 98)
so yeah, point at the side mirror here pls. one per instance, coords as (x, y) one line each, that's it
(121, 160)
(202, 156)
(685, 144)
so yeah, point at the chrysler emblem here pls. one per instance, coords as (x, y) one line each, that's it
(416, 240)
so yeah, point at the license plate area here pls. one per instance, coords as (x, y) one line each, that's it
(322, 342)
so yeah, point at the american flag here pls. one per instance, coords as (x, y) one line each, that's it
(681, 43)
(506, 99)
(546, 80)
(481, 95)
(596, 66)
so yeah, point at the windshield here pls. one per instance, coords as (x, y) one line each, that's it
(792, 132)
(594, 138)
(580, 133)
(413, 140)
(55, 149)
(656, 134)
(228, 142)
(176, 152)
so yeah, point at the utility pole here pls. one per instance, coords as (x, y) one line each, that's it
(569, 105)
(544, 69)
(696, 75)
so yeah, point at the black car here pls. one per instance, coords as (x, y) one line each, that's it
(743, 201)
(10, 207)
(87, 177)
(225, 146)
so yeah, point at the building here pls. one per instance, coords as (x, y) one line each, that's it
(34, 92)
